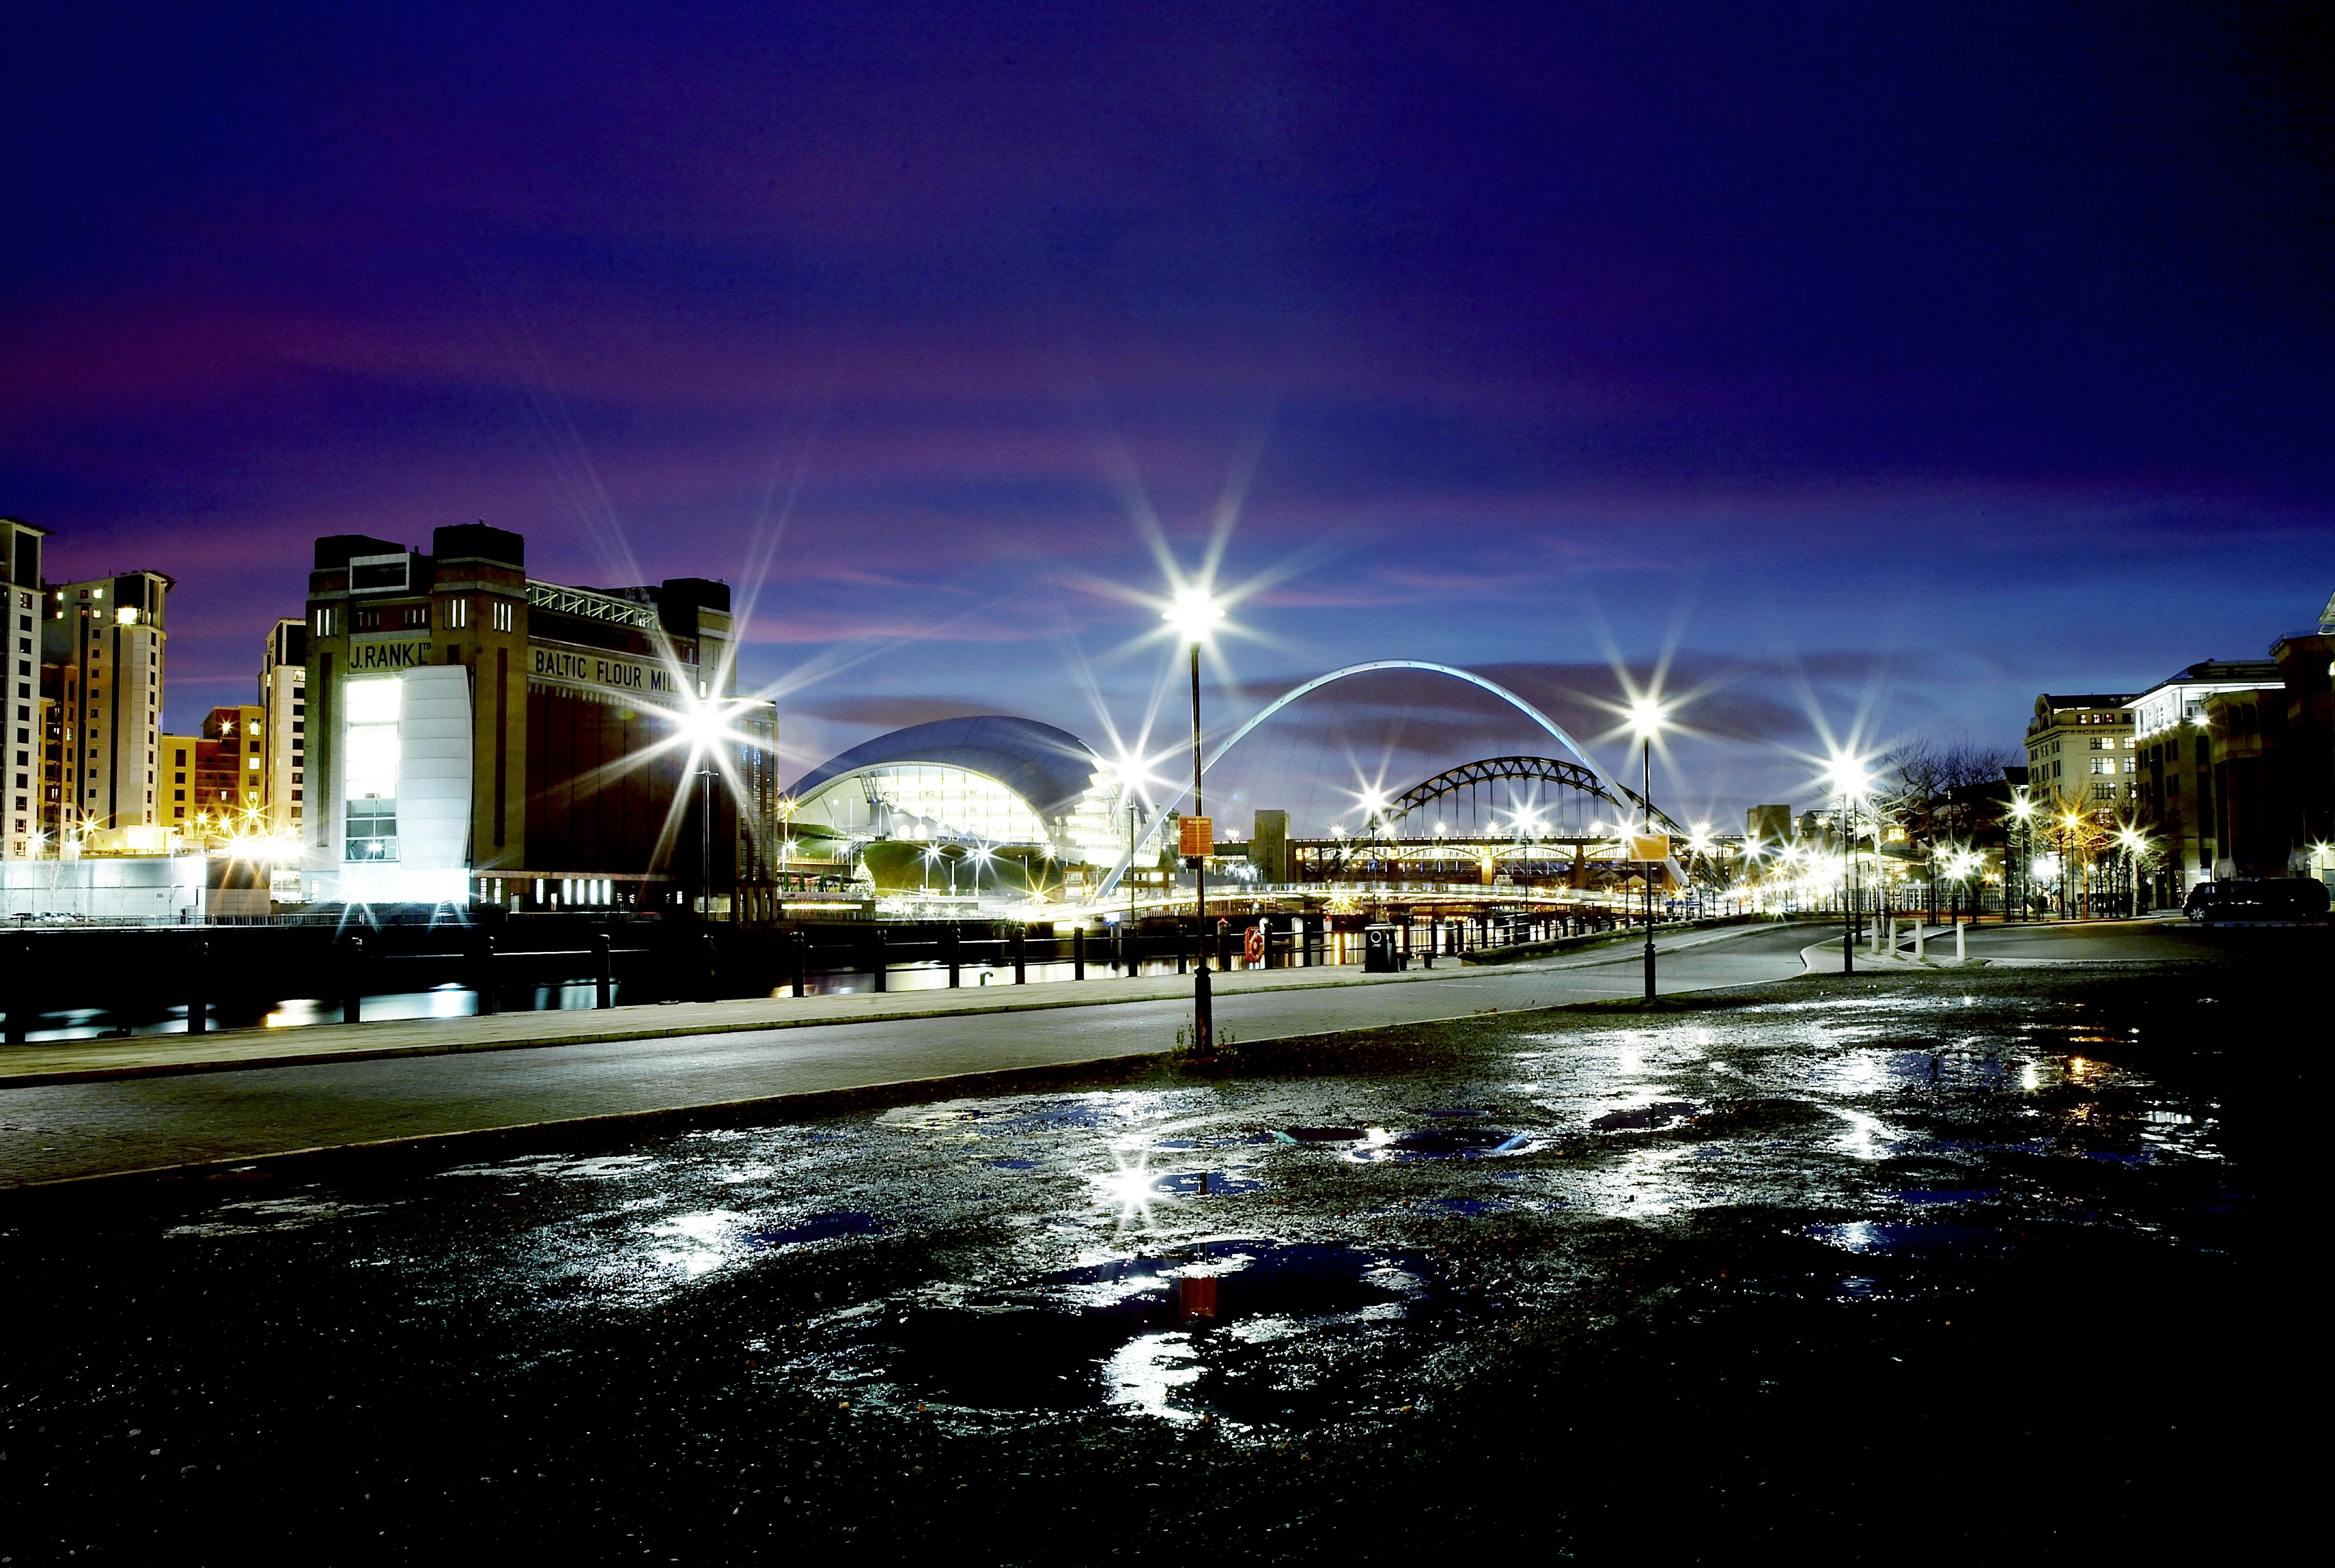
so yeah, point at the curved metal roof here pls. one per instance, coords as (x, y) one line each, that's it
(1049, 767)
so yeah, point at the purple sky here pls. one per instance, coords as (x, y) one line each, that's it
(1900, 364)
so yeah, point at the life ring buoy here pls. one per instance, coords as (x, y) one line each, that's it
(1253, 944)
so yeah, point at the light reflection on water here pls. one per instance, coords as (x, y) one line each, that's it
(1064, 1206)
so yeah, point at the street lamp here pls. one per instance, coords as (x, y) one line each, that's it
(1646, 720)
(2023, 808)
(2068, 822)
(704, 721)
(1192, 613)
(1850, 781)
(2133, 842)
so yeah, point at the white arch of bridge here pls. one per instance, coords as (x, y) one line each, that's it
(1555, 731)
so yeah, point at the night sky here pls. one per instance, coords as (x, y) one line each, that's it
(1880, 365)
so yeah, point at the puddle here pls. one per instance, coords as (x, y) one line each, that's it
(1205, 1184)
(1180, 1335)
(1647, 1118)
(1949, 1196)
(1864, 1236)
(1464, 1143)
(819, 1228)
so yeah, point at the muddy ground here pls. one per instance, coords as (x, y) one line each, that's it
(2007, 1263)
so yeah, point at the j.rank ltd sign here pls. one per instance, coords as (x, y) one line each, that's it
(401, 654)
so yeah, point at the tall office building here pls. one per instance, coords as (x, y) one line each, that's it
(26, 752)
(284, 721)
(111, 631)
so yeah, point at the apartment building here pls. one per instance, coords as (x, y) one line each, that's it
(2177, 803)
(230, 765)
(27, 751)
(111, 633)
(2081, 751)
(180, 756)
(284, 724)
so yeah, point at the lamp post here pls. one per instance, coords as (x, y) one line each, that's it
(1646, 718)
(2067, 823)
(1849, 780)
(2022, 811)
(2133, 842)
(705, 722)
(1192, 615)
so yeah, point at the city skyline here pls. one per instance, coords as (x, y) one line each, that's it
(1901, 366)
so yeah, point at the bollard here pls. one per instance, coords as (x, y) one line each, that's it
(795, 945)
(604, 966)
(1962, 935)
(1133, 940)
(1183, 950)
(1224, 947)
(482, 972)
(351, 983)
(884, 957)
(1020, 956)
(1077, 952)
(20, 997)
(1921, 943)
(709, 979)
(199, 1010)
(956, 958)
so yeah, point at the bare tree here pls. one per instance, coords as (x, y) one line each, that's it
(1919, 779)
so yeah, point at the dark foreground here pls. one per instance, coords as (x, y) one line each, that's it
(2006, 1263)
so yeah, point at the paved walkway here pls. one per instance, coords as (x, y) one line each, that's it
(435, 1078)
(2151, 939)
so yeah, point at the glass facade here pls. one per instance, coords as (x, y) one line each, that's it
(369, 760)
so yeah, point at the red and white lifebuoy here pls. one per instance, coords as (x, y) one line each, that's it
(1253, 945)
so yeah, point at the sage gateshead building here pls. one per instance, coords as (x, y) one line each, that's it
(988, 783)
(476, 734)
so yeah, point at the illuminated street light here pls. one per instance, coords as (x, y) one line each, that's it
(1646, 722)
(1192, 613)
(705, 723)
(1852, 781)
(2133, 841)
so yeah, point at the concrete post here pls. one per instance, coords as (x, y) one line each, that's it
(482, 972)
(884, 957)
(1962, 942)
(1921, 943)
(603, 970)
(1020, 956)
(353, 983)
(1077, 952)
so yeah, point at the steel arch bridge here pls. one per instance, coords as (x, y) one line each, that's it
(1540, 769)
(1625, 801)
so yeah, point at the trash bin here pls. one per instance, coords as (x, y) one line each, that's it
(1380, 953)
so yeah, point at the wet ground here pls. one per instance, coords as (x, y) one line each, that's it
(1885, 1268)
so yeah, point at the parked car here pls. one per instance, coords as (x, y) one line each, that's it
(2267, 898)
